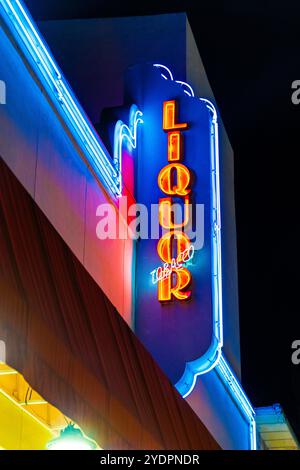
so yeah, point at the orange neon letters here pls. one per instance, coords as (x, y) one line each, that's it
(165, 289)
(165, 245)
(174, 180)
(169, 115)
(166, 213)
(174, 146)
(172, 174)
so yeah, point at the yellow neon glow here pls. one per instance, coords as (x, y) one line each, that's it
(174, 146)
(166, 291)
(169, 116)
(171, 172)
(166, 214)
(27, 421)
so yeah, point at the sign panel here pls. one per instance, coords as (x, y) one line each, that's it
(178, 280)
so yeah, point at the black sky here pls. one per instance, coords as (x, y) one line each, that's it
(251, 55)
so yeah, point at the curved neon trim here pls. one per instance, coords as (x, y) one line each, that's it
(25, 32)
(160, 66)
(189, 90)
(129, 133)
(214, 358)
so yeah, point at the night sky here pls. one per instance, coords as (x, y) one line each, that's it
(251, 56)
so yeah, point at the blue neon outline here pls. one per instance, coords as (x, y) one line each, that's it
(122, 132)
(233, 385)
(24, 31)
(214, 358)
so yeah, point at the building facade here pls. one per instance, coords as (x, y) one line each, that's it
(138, 357)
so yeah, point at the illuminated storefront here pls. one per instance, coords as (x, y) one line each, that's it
(161, 143)
(27, 421)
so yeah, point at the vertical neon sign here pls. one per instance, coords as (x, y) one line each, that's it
(175, 297)
(174, 180)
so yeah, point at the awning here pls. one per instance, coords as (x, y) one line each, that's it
(72, 346)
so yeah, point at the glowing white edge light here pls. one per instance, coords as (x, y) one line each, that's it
(26, 34)
(214, 358)
(160, 66)
(230, 381)
(190, 91)
(123, 132)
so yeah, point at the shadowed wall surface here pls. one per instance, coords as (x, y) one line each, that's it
(72, 346)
